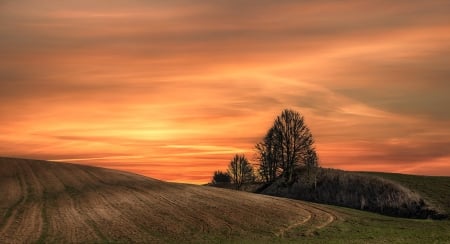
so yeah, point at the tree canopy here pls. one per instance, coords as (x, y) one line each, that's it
(288, 144)
(220, 177)
(240, 171)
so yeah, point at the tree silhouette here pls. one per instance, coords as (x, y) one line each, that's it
(312, 163)
(221, 177)
(311, 159)
(240, 171)
(268, 157)
(286, 146)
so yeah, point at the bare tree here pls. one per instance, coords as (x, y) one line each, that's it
(268, 157)
(312, 166)
(240, 171)
(286, 146)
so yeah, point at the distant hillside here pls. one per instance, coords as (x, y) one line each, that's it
(434, 189)
(47, 202)
(359, 191)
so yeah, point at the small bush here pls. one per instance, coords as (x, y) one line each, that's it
(220, 177)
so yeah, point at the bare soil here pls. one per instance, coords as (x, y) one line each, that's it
(65, 203)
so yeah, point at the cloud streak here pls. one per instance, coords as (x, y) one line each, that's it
(141, 86)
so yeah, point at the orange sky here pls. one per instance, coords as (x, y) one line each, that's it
(173, 89)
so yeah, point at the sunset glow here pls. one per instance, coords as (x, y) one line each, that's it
(173, 89)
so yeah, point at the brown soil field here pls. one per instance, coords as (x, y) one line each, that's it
(46, 202)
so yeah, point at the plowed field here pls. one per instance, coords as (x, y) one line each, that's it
(65, 203)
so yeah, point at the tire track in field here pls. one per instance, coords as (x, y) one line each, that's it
(12, 211)
(101, 206)
(197, 219)
(283, 231)
(179, 204)
(70, 198)
(331, 215)
(25, 224)
(313, 222)
(162, 201)
(95, 216)
(135, 194)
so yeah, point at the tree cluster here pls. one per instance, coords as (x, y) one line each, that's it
(287, 145)
(239, 172)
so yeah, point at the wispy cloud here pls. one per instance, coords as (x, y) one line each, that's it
(154, 83)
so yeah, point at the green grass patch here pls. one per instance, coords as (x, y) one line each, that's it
(364, 227)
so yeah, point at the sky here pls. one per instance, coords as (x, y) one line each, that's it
(173, 89)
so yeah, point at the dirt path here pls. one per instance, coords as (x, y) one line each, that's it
(65, 203)
(317, 219)
(281, 232)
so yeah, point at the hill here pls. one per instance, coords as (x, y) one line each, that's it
(434, 189)
(363, 191)
(64, 203)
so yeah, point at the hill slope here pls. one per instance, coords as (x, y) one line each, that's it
(56, 202)
(359, 191)
(434, 189)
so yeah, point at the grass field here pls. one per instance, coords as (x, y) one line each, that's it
(45, 202)
(364, 227)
